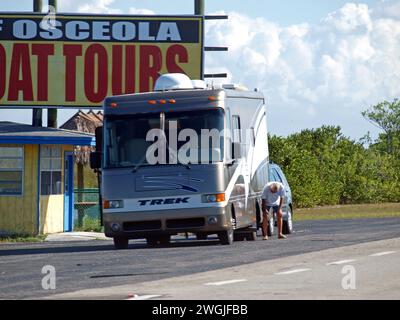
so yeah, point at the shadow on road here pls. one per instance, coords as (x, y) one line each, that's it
(76, 248)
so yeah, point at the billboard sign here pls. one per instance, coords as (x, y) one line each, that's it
(79, 60)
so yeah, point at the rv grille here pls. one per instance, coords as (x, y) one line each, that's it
(142, 225)
(185, 223)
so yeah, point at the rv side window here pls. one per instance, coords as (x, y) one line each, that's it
(237, 133)
(228, 137)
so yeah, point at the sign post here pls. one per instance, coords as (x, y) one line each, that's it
(37, 114)
(52, 113)
(199, 7)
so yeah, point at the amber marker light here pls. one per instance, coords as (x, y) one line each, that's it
(172, 101)
(220, 197)
(212, 98)
(113, 105)
(163, 101)
(152, 102)
(106, 204)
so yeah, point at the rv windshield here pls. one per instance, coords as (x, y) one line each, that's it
(192, 137)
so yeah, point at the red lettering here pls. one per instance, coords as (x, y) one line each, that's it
(150, 66)
(20, 63)
(173, 52)
(2, 71)
(43, 51)
(130, 69)
(117, 70)
(71, 52)
(96, 50)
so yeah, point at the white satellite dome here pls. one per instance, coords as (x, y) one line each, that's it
(173, 81)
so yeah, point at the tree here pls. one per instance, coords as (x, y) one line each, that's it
(324, 167)
(386, 115)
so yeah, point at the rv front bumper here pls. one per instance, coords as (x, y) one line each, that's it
(138, 225)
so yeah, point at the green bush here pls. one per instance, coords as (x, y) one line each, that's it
(325, 168)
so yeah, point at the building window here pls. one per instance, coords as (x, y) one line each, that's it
(50, 170)
(11, 170)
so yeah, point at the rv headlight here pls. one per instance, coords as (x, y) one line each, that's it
(113, 204)
(115, 227)
(214, 198)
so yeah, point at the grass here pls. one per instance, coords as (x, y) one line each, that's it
(22, 238)
(90, 225)
(362, 211)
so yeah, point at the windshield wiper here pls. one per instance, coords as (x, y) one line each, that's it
(186, 165)
(140, 164)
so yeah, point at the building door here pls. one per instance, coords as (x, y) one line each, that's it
(68, 191)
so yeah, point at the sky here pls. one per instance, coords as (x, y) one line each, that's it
(318, 62)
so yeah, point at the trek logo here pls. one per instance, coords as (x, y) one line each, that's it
(160, 202)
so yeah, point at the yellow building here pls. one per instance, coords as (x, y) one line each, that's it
(36, 178)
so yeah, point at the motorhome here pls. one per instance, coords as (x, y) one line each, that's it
(187, 158)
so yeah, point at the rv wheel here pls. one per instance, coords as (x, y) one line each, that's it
(121, 243)
(226, 237)
(201, 236)
(152, 241)
(251, 236)
(238, 237)
(164, 240)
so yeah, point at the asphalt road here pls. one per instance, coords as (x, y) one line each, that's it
(95, 264)
(366, 271)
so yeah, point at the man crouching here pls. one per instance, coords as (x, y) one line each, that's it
(272, 197)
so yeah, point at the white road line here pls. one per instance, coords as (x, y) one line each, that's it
(340, 262)
(143, 297)
(222, 283)
(380, 254)
(292, 272)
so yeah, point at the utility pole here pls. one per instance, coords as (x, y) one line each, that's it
(199, 7)
(52, 113)
(37, 114)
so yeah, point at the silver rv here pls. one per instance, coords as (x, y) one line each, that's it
(218, 194)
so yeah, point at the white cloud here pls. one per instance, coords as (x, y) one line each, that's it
(350, 18)
(388, 9)
(91, 6)
(315, 74)
(133, 10)
(99, 6)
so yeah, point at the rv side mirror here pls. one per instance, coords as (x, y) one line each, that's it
(99, 138)
(95, 160)
(236, 150)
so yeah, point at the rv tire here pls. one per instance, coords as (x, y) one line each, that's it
(165, 239)
(226, 237)
(152, 241)
(251, 236)
(121, 243)
(238, 237)
(201, 236)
